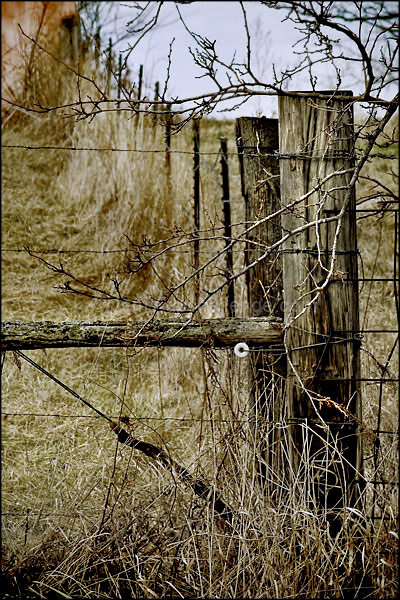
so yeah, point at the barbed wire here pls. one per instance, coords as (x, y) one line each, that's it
(286, 422)
(328, 155)
(148, 250)
(85, 251)
(73, 251)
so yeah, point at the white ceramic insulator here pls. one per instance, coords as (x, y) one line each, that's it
(241, 349)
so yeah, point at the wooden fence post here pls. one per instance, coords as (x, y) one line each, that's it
(196, 204)
(139, 94)
(97, 46)
(257, 140)
(119, 75)
(321, 320)
(140, 83)
(227, 225)
(109, 66)
(156, 107)
(168, 124)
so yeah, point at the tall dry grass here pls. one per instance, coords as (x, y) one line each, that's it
(86, 517)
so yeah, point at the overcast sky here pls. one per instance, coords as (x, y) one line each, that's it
(220, 21)
(273, 42)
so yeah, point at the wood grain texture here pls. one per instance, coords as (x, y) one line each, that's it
(217, 333)
(257, 137)
(257, 140)
(319, 338)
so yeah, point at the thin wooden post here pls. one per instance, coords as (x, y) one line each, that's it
(140, 83)
(321, 318)
(109, 66)
(227, 224)
(257, 140)
(168, 123)
(97, 46)
(139, 94)
(196, 203)
(156, 98)
(119, 75)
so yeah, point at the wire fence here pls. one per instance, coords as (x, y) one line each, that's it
(379, 464)
(256, 152)
(220, 479)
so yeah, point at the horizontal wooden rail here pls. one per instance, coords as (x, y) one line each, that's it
(217, 333)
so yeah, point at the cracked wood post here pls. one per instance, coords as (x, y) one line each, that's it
(257, 137)
(320, 342)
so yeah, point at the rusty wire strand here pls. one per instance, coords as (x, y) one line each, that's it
(279, 156)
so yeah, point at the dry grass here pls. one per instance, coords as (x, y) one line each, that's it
(86, 517)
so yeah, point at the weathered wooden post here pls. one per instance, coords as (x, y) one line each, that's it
(140, 83)
(139, 94)
(97, 46)
(257, 140)
(156, 96)
(196, 204)
(156, 107)
(168, 124)
(109, 66)
(227, 225)
(321, 295)
(119, 75)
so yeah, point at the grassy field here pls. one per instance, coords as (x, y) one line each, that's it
(84, 516)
